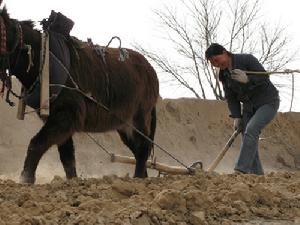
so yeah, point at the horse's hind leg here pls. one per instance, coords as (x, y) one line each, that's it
(140, 149)
(56, 130)
(67, 157)
(138, 144)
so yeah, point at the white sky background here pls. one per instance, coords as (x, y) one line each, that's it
(134, 21)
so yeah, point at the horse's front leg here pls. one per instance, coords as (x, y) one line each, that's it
(57, 130)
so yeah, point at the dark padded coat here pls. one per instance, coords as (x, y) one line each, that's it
(257, 92)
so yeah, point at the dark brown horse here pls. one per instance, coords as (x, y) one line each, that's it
(129, 89)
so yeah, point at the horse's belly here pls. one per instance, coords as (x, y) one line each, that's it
(103, 121)
(101, 128)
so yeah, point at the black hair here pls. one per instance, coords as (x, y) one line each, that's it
(214, 49)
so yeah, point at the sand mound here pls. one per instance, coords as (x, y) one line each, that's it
(190, 130)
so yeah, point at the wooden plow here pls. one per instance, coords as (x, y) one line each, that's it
(179, 170)
(162, 168)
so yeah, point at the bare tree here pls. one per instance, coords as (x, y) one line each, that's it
(235, 24)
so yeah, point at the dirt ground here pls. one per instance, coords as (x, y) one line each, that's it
(189, 129)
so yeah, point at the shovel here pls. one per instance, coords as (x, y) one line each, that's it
(224, 150)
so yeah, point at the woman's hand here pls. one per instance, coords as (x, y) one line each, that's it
(237, 123)
(240, 76)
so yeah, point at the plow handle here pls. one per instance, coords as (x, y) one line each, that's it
(223, 152)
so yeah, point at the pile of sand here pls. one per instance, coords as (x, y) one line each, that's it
(189, 129)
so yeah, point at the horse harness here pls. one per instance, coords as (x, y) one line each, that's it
(102, 51)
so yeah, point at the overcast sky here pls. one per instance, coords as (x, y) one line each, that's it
(134, 21)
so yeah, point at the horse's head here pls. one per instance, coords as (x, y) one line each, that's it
(17, 39)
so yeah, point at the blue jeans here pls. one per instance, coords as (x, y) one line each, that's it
(248, 161)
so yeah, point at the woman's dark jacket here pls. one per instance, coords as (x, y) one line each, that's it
(257, 92)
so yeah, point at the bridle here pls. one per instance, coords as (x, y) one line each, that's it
(5, 54)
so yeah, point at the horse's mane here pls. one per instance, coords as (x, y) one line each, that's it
(5, 16)
(28, 23)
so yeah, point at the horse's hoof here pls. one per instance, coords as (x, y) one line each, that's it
(142, 176)
(26, 179)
